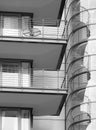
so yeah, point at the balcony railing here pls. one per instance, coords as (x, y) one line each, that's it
(24, 27)
(40, 79)
(23, 76)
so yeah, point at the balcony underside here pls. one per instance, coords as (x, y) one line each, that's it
(41, 9)
(43, 102)
(46, 55)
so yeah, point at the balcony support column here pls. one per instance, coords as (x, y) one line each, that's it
(31, 119)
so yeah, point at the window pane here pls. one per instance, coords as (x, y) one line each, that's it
(10, 79)
(25, 75)
(9, 123)
(10, 74)
(10, 68)
(10, 26)
(10, 22)
(25, 124)
(15, 74)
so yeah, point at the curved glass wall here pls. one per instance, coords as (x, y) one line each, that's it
(81, 65)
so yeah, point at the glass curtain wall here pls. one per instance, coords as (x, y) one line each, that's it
(81, 64)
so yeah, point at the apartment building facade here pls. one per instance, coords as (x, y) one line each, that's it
(32, 70)
(46, 49)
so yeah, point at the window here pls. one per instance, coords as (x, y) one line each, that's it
(10, 74)
(14, 119)
(10, 26)
(10, 68)
(15, 24)
(15, 74)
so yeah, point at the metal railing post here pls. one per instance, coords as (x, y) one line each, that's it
(1, 23)
(31, 74)
(58, 79)
(42, 28)
(20, 76)
(0, 74)
(58, 29)
(43, 80)
(20, 26)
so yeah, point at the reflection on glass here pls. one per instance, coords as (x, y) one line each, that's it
(15, 75)
(9, 123)
(25, 124)
(14, 119)
(10, 27)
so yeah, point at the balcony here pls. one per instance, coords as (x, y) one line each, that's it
(24, 26)
(22, 37)
(22, 86)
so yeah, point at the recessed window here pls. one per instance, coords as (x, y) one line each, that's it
(15, 74)
(14, 24)
(10, 68)
(10, 26)
(12, 119)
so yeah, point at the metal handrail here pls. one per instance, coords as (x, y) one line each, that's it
(25, 27)
(30, 78)
(82, 116)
